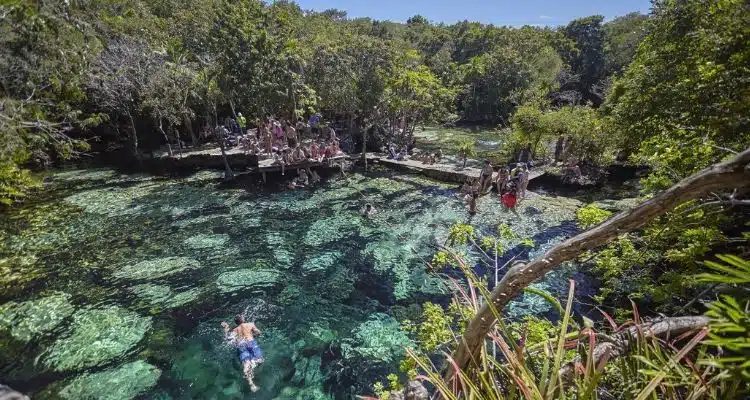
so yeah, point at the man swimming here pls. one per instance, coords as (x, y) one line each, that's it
(242, 338)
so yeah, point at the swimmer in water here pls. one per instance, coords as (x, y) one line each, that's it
(243, 339)
(369, 210)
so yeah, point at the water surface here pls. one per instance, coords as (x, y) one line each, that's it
(114, 286)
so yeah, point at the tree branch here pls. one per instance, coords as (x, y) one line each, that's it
(622, 342)
(732, 173)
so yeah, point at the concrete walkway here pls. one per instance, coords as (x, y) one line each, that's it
(442, 172)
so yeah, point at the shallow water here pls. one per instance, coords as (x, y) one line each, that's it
(114, 286)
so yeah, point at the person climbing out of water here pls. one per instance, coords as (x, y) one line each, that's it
(465, 190)
(509, 197)
(302, 178)
(473, 202)
(314, 177)
(242, 338)
(524, 182)
(369, 210)
(485, 178)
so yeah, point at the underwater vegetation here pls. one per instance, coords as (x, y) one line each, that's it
(97, 336)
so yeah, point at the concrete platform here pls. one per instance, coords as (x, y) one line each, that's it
(239, 161)
(441, 172)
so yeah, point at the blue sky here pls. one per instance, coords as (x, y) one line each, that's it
(498, 12)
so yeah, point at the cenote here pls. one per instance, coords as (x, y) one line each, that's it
(114, 285)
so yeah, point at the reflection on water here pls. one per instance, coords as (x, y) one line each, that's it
(114, 286)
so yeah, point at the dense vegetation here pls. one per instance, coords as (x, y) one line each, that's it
(142, 73)
(670, 91)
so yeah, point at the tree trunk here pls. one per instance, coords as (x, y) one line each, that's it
(134, 136)
(228, 173)
(364, 147)
(729, 174)
(166, 138)
(189, 125)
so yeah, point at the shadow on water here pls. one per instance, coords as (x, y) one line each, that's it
(304, 264)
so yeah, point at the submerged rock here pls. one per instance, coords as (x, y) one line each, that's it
(123, 383)
(155, 269)
(203, 241)
(414, 391)
(164, 296)
(248, 278)
(97, 336)
(32, 318)
(329, 230)
(321, 262)
(379, 339)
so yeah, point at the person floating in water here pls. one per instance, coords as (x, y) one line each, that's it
(242, 338)
(369, 210)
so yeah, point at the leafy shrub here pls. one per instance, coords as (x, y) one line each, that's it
(591, 215)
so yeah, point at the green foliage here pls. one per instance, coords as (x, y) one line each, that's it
(730, 326)
(460, 234)
(433, 330)
(591, 215)
(466, 148)
(586, 136)
(440, 260)
(679, 105)
(492, 245)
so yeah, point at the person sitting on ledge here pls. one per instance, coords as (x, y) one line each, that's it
(298, 155)
(392, 151)
(438, 155)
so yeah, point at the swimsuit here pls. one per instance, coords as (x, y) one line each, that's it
(249, 351)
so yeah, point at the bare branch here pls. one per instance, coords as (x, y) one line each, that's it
(729, 174)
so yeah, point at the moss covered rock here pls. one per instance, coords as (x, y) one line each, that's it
(122, 383)
(157, 268)
(32, 318)
(97, 336)
(248, 278)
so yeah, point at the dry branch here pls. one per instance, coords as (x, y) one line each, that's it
(623, 341)
(732, 173)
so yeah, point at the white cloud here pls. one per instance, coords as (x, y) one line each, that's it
(545, 17)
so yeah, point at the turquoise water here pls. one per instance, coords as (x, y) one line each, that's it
(114, 286)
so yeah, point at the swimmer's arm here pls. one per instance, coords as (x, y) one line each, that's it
(255, 329)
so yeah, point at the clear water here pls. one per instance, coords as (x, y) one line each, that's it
(114, 286)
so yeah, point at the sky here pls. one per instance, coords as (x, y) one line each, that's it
(498, 12)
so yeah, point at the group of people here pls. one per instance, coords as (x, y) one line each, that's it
(403, 154)
(510, 183)
(283, 141)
